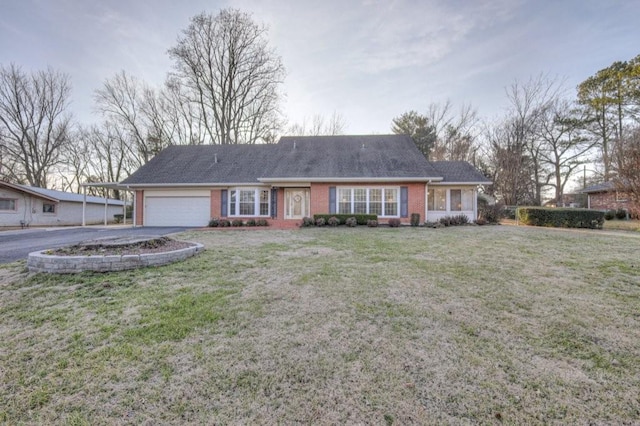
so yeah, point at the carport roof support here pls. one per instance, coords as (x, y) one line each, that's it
(108, 185)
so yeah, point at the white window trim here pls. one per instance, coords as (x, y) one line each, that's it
(15, 205)
(368, 189)
(256, 202)
(55, 209)
(448, 211)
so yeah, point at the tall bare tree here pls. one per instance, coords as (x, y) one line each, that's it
(122, 101)
(563, 144)
(627, 164)
(231, 75)
(456, 132)
(34, 122)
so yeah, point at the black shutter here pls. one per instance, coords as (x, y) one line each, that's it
(404, 201)
(332, 200)
(223, 203)
(274, 203)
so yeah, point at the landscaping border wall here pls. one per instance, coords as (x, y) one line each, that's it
(39, 261)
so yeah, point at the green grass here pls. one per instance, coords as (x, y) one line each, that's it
(386, 326)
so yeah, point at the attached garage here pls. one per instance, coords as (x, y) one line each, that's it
(161, 209)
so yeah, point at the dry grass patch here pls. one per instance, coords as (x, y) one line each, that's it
(382, 326)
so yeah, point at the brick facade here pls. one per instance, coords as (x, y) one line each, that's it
(611, 200)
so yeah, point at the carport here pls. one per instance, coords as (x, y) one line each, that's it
(113, 186)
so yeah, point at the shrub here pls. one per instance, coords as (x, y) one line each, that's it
(224, 223)
(481, 221)
(251, 222)
(236, 222)
(621, 214)
(460, 219)
(262, 222)
(371, 223)
(446, 221)
(432, 224)
(214, 223)
(360, 218)
(415, 219)
(491, 213)
(561, 218)
(394, 223)
(333, 221)
(321, 221)
(609, 214)
(351, 222)
(307, 222)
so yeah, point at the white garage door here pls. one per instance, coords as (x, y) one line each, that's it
(177, 211)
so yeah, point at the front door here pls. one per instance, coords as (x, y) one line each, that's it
(296, 203)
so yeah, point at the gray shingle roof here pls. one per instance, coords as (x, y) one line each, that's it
(459, 171)
(600, 187)
(66, 196)
(371, 156)
(308, 157)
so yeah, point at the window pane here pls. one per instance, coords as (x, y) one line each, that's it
(360, 201)
(232, 203)
(390, 202)
(7, 204)
(247, 203)
(430, 200)
(264, 203)
(467, 199)
(456, 200)
(48, 208)
(344, 200)
(375, 201)
(439, 199)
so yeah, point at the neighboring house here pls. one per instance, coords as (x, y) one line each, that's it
(605, 196)
(568, 200)
(28, 205)
(384, 175)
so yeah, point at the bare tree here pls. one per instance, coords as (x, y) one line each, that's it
(34, 123)
(319, 126)
(231, 75)
(455, 132)
(122, 101)
(563, 145)
(627, 164)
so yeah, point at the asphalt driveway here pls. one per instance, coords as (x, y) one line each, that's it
(16, 245)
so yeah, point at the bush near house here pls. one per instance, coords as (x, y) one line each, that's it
(415, 219)
(214, 223)
(361, 219)
(394, 223)
(457, 220)
(560, 218)
(351, 222)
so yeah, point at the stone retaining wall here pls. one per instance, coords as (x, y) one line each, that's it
(40, 262)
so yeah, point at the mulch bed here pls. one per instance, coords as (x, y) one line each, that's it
(158, 245)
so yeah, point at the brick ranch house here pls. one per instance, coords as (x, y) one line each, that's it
(298, 177)
(605, 196)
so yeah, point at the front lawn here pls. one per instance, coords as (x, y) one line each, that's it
(332, 326)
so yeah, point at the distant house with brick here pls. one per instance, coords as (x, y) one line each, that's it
(605, 196)
(298, 177)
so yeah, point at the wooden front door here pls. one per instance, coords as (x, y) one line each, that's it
(296, 203)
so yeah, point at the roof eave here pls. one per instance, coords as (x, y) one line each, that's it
(350, 179)
(486, 182)
(30, 192)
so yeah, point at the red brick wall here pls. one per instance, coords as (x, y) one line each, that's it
(320, 197)
(139, 202)
(607, 201)
(216, 195)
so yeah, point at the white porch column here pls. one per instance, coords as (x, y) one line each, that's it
(84, 206)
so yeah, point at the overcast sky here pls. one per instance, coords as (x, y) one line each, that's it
(368, 60)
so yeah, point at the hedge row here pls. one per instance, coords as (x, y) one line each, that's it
(361, 219)
(560, 218)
